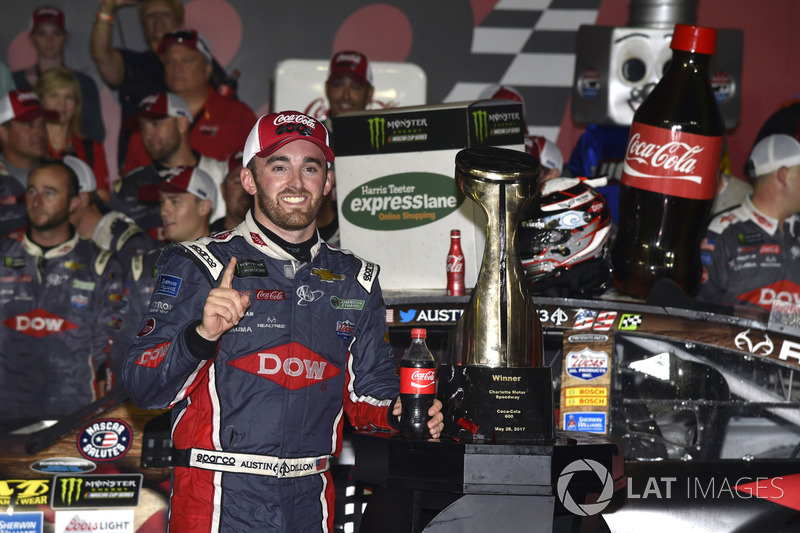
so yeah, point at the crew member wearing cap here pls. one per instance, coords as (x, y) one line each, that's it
(751, 253)
(61, 297)
(164, 123)
(260, 339)
(49, 37)
(110, 230)
(22, 132)
(220, 124)
(237, 201)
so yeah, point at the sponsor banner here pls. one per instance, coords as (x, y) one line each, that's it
(22, 522)
(25, 492)
(586, 380)
(96, 491)
(60, 465)
(117, 521)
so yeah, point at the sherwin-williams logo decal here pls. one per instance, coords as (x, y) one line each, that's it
(402, 201)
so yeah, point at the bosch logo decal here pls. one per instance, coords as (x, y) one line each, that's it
(105, 440)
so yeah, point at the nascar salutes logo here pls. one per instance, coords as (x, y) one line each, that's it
(39, 323)
(105, 440)
(587, 364)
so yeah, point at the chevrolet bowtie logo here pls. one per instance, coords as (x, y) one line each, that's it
(326, 275)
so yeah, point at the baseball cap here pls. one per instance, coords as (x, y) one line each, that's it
(23, 106)
(276, 129)
(189, 179)
(234, 160)
(353, 64)
(546, 152)
(159, 105)
(189, 38)
(502, 92)
(773, 152)
(48, 15)
(86, 179)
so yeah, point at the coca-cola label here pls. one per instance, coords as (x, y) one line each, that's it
(672, 162)
(417, 380)
(455, 264)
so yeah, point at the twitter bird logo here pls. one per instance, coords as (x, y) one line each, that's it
(408, 316)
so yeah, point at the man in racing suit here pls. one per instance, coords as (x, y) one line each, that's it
(751, 253)
(59, 296)
(261, 338)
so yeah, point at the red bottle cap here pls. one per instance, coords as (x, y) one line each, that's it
(455, 233)
(419, 333)
(694, 39)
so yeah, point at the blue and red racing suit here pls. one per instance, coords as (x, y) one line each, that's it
(255, 425)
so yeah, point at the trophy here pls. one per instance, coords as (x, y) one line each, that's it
(494, 387)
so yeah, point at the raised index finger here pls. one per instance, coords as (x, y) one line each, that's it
(227, 276)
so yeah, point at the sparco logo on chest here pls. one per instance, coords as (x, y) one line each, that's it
(292, 366)
(39, 323)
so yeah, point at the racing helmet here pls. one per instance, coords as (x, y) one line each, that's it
(564, 240)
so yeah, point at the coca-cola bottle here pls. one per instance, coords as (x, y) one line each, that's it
(417, 386)
(455, 266)
(670, 172)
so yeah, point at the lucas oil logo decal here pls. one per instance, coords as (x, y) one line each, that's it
(402, 201)
(587, 364)
(105, 440)
(292, 366)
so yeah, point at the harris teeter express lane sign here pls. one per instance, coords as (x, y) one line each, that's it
(402, 201)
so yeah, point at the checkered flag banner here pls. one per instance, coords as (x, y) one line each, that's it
(630, 321)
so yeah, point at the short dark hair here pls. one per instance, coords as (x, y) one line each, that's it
(73, 187)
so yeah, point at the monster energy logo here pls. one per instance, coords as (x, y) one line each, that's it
(480, 120)
(69, 486)
(377, 132)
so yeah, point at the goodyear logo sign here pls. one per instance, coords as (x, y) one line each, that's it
(402, 201)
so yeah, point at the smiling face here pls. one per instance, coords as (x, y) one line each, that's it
(346, 94)
(289, 186)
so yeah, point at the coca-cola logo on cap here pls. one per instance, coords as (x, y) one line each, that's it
(671, 162)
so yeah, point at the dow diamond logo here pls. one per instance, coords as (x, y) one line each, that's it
(39, 323)
(292, 366)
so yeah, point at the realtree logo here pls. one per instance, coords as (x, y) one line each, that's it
(377, 132)
(480, 121)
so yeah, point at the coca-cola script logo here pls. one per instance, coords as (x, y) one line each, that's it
(262, 294)
(292, 366)
(417, 380)
(455, 263)
(671, 162)
(39, 323)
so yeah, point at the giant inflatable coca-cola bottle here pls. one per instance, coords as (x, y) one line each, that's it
(670, 172)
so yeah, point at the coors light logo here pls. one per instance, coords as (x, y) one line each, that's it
(672, 162)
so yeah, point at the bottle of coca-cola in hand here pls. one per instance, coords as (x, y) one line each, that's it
(455, 266)
(417, 386)
(670, 172)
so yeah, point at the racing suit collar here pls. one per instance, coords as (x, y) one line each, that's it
(56, 251)
(767, 223)
(257, 239)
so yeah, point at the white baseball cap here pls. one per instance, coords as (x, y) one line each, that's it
(86, 179)
(773, 152)
(546, 152)
(189, 179)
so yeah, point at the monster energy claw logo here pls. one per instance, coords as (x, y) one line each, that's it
(69, 486)
(377, 132)
(480, 120)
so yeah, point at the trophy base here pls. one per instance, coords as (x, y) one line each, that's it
(485, 404)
